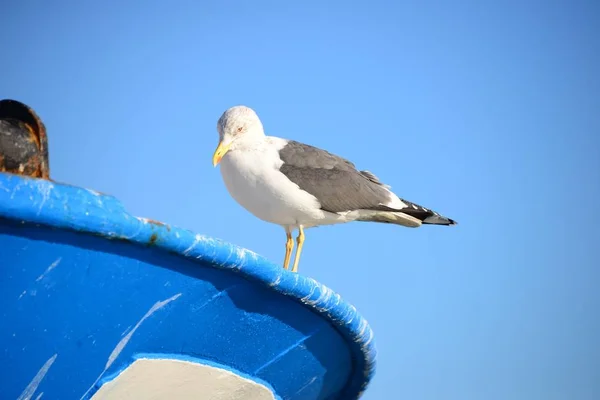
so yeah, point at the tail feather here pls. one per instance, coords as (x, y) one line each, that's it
(389, 217)
(413, 216)
(439, 220)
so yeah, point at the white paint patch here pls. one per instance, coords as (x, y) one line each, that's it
(22, 294)
(37, 379)
(166, 379)
(123, 342)
(50, 268)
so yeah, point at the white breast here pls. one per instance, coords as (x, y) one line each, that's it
(253, 179)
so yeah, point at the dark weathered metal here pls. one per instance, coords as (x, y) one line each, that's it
(23, 141)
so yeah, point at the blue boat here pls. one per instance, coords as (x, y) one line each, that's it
(99, 304)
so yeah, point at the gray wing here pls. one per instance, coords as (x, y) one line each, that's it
(333, 180)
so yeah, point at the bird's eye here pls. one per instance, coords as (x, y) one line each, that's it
(240, 129)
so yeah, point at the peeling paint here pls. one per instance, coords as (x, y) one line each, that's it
(123, 342)
(287, 350)
(50, 268)
(306, 298)
(45, 191)
(307, 384)
(197, 240)
(93, 192)
(121, 345)
(276, 281)
(37, 379)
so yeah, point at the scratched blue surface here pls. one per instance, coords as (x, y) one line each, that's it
(66, 290)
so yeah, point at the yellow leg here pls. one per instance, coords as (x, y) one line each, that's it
(289, 246)
(300, 241)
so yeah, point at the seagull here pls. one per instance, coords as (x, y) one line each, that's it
(299, 186)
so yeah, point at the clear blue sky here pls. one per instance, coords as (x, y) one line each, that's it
(488, 112)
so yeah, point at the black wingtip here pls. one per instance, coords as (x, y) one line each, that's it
(436, 219)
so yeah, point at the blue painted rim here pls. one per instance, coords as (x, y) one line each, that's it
(74, 208)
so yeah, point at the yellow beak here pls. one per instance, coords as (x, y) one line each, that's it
(220, 152)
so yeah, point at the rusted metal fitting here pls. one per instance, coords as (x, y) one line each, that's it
(23, 141)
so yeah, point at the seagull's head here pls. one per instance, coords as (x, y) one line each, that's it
(237, 126)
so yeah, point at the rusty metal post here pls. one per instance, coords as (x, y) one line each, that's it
(23, 141)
